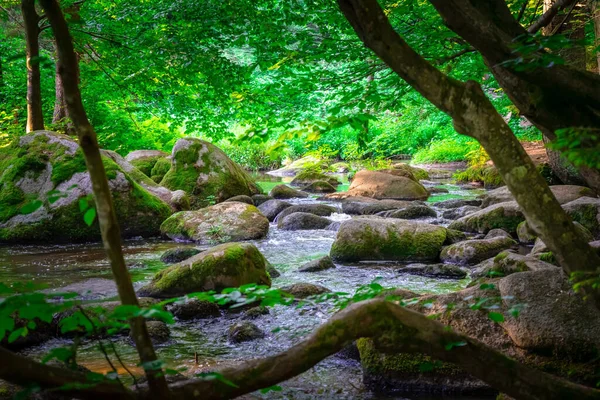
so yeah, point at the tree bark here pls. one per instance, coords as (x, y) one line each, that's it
(475, 116)
(35, 118)
(111, 236)
(596, 15)
(412, 332)
(552, 98)
(60, 106)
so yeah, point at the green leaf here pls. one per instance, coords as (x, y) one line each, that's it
(21, 332)
(83, 204)
(31, 207)
(496, 316)
(89, 216)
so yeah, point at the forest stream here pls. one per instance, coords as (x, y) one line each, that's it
(202, 344)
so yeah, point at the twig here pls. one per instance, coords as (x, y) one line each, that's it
(549, 15)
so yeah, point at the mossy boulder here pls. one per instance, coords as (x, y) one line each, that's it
(373, 239)
(434, 270)
(340, 167)
(160, 169)
(369, 206)
(320, 264)
(506, 216)
(285, 192)
(145, 160)
(48, 169)
(205, 172)
(158, 331)
(506, 263)
(223, 222)
(220, 267)
(470, 252)
(272, 208)
(456, 203)
(309, 176)
(586, 211)
(381, 185)
(405, 172)
(302, 221)
(258, 199)
(319, 187)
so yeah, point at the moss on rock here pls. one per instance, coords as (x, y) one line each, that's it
(205, 172)
(370, 239)
(49, 168)
(220, 267)
(506, 216)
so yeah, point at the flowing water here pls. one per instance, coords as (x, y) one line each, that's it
(83, 268)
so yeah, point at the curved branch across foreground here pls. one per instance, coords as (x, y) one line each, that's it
(390, 325)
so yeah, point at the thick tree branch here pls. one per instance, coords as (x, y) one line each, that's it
(24, 371)
(549, 15)
(109, 227)
(378, 319)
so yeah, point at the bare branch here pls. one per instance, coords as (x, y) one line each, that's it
(548, 16)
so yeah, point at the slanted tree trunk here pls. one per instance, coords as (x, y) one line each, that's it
(111, 235)
(551, 98)
(35, 118)
(475, 116)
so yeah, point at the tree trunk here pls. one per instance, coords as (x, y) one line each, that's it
(35, 118)
(60, 107)
(570, 24)
(475, 116)
(596, 15)
(552, 98)
(111, 235)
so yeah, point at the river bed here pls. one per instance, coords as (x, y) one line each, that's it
(83, 268)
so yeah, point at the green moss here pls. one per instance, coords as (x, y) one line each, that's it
(146, 164)
(219, 177)
(404, 246)
(419, 173)
(501, 256)
(228, 265)
(548, 257)
(586, 215)
(400, 364)
(160, 169)
(486, 174)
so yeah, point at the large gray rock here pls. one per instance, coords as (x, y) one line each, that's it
(506, 216)
(272, 208)
(321, 210)
(242, 198)
(371, 239)
(205, 172)
(369, 206)
(303, 290)
(302, 221)
(470, 252)
(319, 187)
(48, 170)
(244, 332)
(220, 267)
(223, 222)
(178, 254)
(413, 211)
(194, 309)
(455, 213)
(382, 185)
(456, 203)
(554, 319)
(563, 193)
